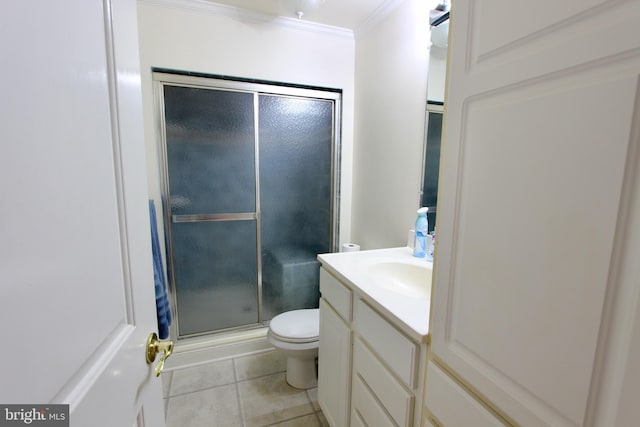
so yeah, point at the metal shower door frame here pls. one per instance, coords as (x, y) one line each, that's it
(257, 88)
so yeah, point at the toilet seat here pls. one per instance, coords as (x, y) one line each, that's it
(297, 326)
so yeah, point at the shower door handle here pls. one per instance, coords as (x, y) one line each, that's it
(241, 216)
(155, 346)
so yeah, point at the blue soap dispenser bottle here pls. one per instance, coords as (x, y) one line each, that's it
(421, 234)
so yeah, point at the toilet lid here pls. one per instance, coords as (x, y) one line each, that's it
(297, 325)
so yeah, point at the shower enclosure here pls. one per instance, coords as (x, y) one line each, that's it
(249, 195)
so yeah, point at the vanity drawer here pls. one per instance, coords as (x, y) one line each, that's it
(392, 346)
(394, 397)
(336, 294)
(365, 408)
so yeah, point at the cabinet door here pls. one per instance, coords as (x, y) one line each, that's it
(535, 281)
(334, 366)
(452, 405)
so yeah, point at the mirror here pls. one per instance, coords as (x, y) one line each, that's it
(434, 111)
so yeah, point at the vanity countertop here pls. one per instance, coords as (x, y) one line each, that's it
(410, 313)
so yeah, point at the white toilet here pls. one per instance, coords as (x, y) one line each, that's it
(296, 334)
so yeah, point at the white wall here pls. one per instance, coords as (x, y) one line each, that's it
(391, 84)
(193, 35)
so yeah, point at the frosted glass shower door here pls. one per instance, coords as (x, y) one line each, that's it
(210, 148)
(250, 187)
(296, 139)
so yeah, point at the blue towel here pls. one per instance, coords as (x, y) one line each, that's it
(162, 302)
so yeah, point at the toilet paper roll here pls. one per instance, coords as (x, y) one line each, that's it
(350, 247)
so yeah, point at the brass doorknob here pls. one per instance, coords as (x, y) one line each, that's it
(155, 346)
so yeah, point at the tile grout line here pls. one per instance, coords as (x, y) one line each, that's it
(313, 407)
(226, 384)
(313, 412)
(292, 419)
(260, 376)
(203, 389)
(318, 412)
(236, 381)
(240, 407)
(207, 387)
(284, 370)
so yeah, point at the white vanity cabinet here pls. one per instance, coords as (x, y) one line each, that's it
(334, 356)
(370, 369)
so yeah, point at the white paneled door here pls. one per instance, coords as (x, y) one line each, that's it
(77, 280)
(537, 280)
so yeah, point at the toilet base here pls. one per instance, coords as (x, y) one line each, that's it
(301, 372)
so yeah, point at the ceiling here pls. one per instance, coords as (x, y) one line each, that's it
(349, 14)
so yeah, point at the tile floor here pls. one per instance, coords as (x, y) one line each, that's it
(248, 391)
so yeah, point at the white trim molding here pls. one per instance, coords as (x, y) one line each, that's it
(204, 6)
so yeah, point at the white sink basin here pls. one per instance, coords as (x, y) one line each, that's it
(391, 279)
(409, 279)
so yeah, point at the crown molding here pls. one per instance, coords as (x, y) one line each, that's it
(204, 6)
